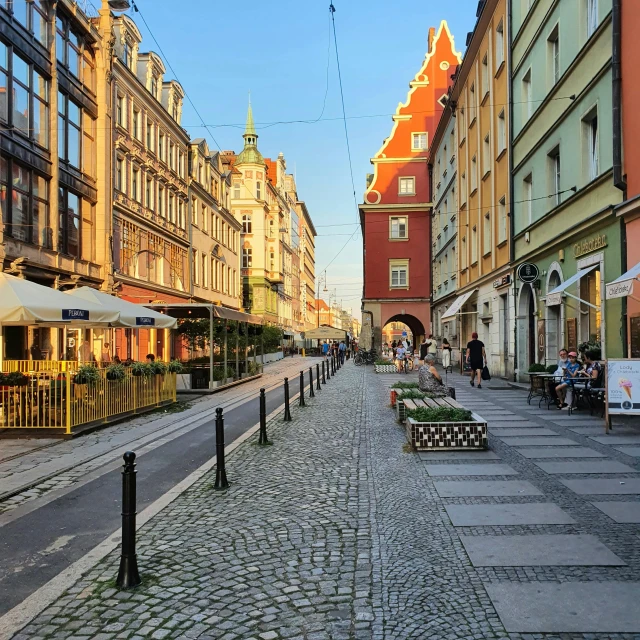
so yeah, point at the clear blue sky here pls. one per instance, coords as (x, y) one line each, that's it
(278, 51)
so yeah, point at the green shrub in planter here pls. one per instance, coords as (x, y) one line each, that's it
(116, 372)
(551, 368)
(414, 394)
(536, 368)
(254, 368)
(440, 414)
(218, 374)
(13, 379)
(87, 374)
(158, 368)
(383, 361)
(175, 366)
(405, 385)
(141, 369)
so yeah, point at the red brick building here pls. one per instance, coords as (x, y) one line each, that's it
(395, 215)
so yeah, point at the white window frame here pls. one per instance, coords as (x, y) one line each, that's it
(403, 183)
(592, 143)
(474, 173)
(499, 44)
(592, 17)
(474, 245)
(486, 234)
(502, 132)
(527, 197)
(527, 94)
(395, 227)
(502, 220)
(399, 267)
(486, 154)
(421, 136)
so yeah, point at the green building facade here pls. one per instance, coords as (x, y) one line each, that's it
(563, 193)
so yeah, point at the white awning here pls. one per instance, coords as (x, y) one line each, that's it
(456, 305)
(623, 286)
(131, 315)
(554, 297)
(325, 333)
(26, 303)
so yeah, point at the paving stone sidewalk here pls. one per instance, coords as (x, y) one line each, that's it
(337, 532)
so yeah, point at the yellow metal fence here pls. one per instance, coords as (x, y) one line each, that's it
(51, 399)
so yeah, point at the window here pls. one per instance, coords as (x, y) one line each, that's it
(591, 143)
(150, 136)
(272, 229)
(502, 132)
(407, 186)
(485, 75)
(24, 199)
(161, 201)
(398, 274)
(463, 253)
(135, 183)
(556, 182)
(472, 101)
(418, 141)
(161, 147)
(499, 44)
(205, 217)
(474, 245)
(527, 197)
(463, 188)
(486, 234)
(181, 220)
(272, 261)
(527, 96)
(196, 268)
(474, 174)
(137, 124)
(32, 14)
(120, 111)
(148, 196)
(258, 190)
(502, 220)
(486, 155)
(69, 47)
(236, 190)
(172, 156)
(205, 271)
(247, 258)
(127, 53)
(553, 56)
(592, 17)
(89, 150)
(26, 105)
(69, 130)
(154, 86)
(120, 186)
(246, 224)
(398, 227)
(214, 275)
(69, 223)
(171, 210)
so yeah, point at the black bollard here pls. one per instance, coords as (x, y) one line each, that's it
(221, 472)
(323, 378)
(302, 402)
(333, 366)
(263, 419)
(128, 575)
(328, 370)
(287, 410)
(452, 392)
(318, 388)
(311, 391)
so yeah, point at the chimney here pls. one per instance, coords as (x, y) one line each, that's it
(432, 35)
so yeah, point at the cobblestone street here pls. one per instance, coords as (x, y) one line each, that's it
(337, 531)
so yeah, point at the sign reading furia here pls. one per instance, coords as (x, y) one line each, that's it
(589, 245)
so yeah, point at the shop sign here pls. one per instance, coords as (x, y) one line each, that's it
(554, 299)
(528, 272)
(620, 289)
(145, 322)
(75, 314)
(623, 386)
(541, 340)
(589, 245)
(502, 282)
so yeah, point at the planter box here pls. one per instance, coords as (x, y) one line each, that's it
(386, 368)
(447, 436)
(401, 411)
(392, 397)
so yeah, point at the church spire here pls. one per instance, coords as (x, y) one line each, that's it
(250, 153)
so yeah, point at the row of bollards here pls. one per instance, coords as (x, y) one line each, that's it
(128, 574)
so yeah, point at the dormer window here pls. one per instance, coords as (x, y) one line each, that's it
(154, 86)
(127, 54)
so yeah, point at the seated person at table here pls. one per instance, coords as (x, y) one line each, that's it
(592, 369)
(569, 374)
(563, 361)
(429, 379)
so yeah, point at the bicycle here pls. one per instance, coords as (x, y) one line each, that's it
(407, 363)
(365, 357)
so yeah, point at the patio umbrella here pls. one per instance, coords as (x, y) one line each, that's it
(131, 315)
(25, 303)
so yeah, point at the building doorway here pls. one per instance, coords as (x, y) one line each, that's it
(527, 330)
(554, 322)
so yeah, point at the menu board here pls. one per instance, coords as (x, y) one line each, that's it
(635, 337)
(541, 340)
(623, 387)
(572, 334)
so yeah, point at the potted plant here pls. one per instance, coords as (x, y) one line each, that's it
(174, 366)
(140, 369)
(158, 368)
(445, 428)
(115, 371)
(87, 375)
(400, 385)
(15, 379)
(409, 394)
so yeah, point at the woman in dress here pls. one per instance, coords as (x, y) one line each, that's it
(446, 354)
(429, 379)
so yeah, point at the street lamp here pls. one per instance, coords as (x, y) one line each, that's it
(321, 278)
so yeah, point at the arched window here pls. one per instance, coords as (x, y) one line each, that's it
(246, 224)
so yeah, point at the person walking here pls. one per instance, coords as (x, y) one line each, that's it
(342, 351)
(399, 356)
(424, 349)
(433, 347)
(446, 354)
(476, 357)
(325, 348)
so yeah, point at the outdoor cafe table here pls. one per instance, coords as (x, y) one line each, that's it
(538, 386)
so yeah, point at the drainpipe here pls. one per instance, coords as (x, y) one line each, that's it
(616, 69)
(512, 225)
(429, 249)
